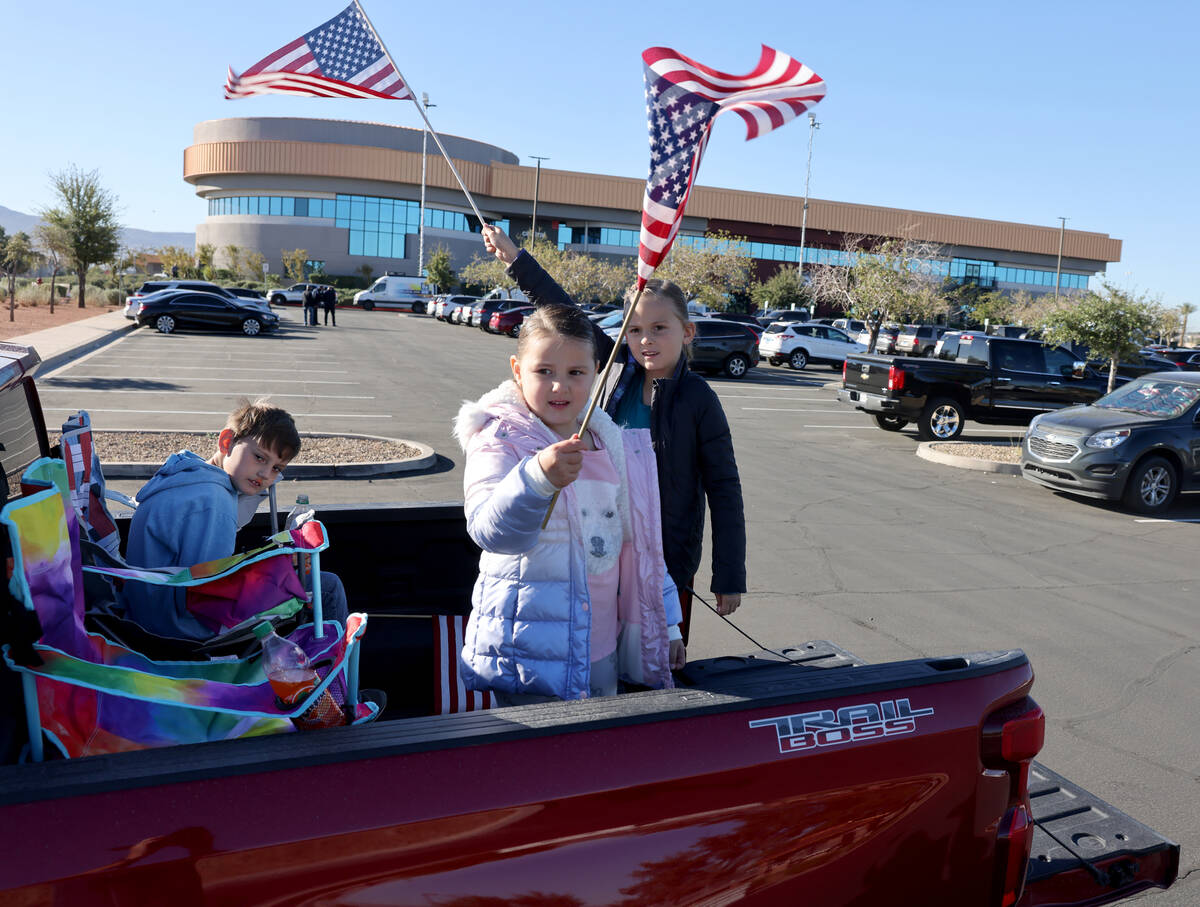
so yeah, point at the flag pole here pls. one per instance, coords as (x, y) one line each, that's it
(428, 125)
(612, 357)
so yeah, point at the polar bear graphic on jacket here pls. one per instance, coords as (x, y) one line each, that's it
(602, 535)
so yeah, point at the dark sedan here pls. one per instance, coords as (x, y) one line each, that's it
(1186, 359)
(1139, 444)
(169, 312)
(723, 346)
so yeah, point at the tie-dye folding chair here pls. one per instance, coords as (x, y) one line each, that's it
(88, 695)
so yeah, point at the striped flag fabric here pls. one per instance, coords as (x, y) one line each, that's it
(450, 695)
(683, 98)
(340, 59)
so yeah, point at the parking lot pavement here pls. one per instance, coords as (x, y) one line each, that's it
(852, 538)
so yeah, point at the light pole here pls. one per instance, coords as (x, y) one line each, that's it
(813, 126)
(421, 222)
(537, 182)
(1058, 268)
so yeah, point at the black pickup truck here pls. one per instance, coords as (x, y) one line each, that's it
(993, 380)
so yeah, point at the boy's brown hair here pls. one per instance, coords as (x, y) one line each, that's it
(270, 426)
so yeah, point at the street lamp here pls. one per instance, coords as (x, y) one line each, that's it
(537, 181)
(1058, 268)
(813, 126)
(421, 222)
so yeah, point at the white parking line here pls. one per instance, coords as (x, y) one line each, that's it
(843, 427)
(772, 409)
(51, 381)
(206, 412)
(238, 393)
(1180, 520)
(229, 368)
(776, 397)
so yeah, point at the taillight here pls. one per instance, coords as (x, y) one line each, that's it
(1011, 737)
(845, 365)
(895, 378)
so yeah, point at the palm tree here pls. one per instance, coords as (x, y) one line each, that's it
(1184, 311)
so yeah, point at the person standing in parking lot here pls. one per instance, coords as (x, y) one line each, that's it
(310, 306)
(329, 304)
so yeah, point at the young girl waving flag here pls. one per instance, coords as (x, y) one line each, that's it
(654, 389)
(567, 610)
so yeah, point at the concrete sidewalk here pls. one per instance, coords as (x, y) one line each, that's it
(61, 344)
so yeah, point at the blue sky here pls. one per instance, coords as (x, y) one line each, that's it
(1018, 112)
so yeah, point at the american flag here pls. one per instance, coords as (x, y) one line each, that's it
(340, 59)
(449, 693)
(683, 98)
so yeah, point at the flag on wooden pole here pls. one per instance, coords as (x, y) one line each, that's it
(683, 98)
(342, 58)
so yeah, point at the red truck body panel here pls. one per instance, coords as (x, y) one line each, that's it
(683, 810)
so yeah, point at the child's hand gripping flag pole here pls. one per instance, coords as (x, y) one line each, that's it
(342, 58)
(683, 98)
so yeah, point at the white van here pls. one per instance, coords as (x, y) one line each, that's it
(394, 292)
(506, 293)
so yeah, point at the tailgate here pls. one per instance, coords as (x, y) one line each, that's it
(868, 374)
(1086, 851)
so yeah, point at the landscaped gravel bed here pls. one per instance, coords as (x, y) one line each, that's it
(1003, 453)
(155, 447)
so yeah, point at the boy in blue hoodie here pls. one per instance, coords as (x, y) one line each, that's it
(191, 509)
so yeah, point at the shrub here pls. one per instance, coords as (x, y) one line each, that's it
(33, 295)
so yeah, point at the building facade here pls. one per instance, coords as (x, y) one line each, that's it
(349, 193)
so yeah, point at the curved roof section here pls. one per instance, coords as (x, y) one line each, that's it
(371, 151)
(343, 132)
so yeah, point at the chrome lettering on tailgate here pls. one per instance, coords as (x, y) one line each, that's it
(867, 721)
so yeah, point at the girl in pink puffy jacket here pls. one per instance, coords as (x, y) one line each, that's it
(567, 610)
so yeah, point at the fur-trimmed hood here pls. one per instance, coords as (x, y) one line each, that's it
(506, 402)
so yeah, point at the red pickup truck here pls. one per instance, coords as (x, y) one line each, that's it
(775, 778)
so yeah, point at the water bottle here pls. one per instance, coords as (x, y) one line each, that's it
(292, 678)
(299, 514)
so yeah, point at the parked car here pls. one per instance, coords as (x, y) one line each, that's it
(885, 342)
(611, 323)
(150, 287)
(448, 308)
(181, 309)
(918, 339)
(1137, 444)
(800, 344)
(245, 293)
(509, 321)
(293, 294)
(1013, 331)
(482, 311)
(723, 346)
(1186, 359)
(851, 326)
(773, 315)
(992, 380)
(1143, 364)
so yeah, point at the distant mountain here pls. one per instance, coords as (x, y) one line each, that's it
(15, 221)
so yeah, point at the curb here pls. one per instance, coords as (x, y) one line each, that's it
(426, 459)
(64, 357)
(926, 452)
